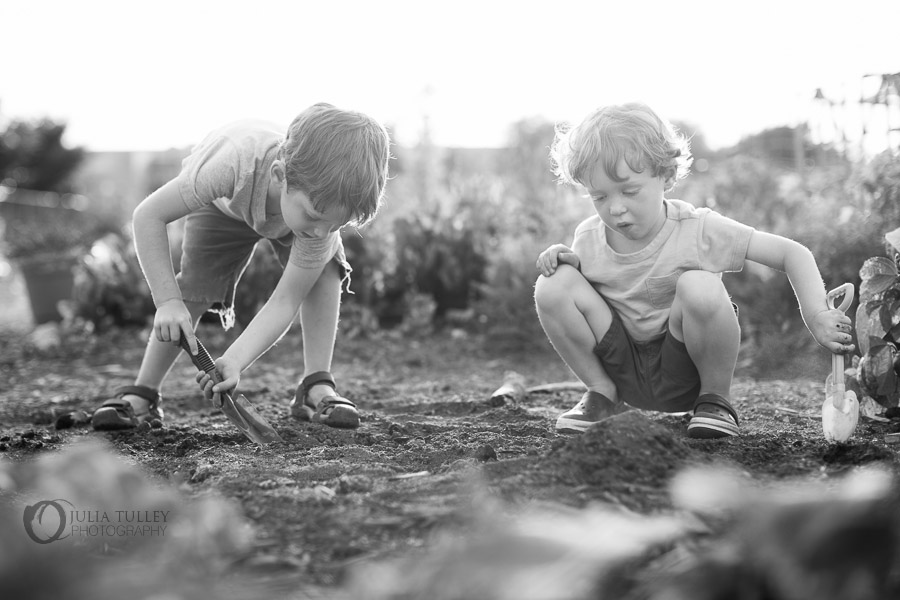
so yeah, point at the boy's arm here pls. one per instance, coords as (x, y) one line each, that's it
(268, 326)
(151, 243)
(830, 328)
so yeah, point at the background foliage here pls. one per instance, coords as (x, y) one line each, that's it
(455, 244)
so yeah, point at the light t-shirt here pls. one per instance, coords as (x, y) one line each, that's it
(231, 168)
(640, 286)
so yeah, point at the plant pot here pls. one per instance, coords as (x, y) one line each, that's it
(48, 279)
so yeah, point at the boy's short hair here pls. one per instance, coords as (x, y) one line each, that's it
(337, 157)
(632, 132)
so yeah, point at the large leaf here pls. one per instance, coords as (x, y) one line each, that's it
(878, 274)
(877, 265)
(877, 284)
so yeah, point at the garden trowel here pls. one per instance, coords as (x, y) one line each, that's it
(840, 412)
(238, 410)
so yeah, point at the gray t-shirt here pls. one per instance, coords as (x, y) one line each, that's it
(231, 168)
(640, 286)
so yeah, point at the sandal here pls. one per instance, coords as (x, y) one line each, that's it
(334, 411)
(118, 413)
(714, 417)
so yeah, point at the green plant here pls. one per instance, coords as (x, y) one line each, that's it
(110, 289)
(878, 328)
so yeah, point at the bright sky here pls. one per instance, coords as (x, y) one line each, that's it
(156, 75)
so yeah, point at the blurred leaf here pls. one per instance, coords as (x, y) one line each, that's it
(877, 376)
(886, 318)
(868, 327)
(895, 312)
(875, 342)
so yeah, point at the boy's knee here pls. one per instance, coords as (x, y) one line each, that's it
(702, 291)
(548, 291)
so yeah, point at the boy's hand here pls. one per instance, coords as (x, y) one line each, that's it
(231, 376)
(833, 330)
(555, 255)
(172, 320)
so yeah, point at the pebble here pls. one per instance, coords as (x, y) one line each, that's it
(485, 453)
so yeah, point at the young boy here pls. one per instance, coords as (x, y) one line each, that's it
(243, 183)
(636, 307)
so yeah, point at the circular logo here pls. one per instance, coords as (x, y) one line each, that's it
(43, 525)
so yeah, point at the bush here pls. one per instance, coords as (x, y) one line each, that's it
(110, 290)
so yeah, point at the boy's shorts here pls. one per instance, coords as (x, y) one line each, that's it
(216, 250)
(657, 374)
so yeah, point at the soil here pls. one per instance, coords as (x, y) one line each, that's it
(433, 454)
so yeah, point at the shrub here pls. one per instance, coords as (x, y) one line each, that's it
(110, 290)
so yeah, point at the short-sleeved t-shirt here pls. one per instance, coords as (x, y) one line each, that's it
(231, 169)
(640, 286)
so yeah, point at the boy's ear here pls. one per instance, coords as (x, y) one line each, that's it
(278, 171)
(669, 178)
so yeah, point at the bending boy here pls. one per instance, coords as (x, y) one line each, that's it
(636, 307)
(243, 183)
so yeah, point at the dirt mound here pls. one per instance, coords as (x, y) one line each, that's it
(628, 448)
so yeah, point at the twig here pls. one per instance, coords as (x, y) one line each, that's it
(562, 386)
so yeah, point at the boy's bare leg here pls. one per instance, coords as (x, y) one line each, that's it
(575, 317)
(158, 360)
(703, 318)
(319, 315)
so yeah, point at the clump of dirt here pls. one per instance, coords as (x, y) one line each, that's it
(627, 448)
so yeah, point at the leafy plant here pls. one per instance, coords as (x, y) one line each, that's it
(110, 289)
(878, 329)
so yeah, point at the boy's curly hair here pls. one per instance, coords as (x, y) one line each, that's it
(631, 132)
(337, 157)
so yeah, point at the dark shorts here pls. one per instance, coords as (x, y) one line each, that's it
(216, 250)
(655, 375)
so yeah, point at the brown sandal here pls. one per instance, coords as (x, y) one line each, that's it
(334, 411)
(118, 413)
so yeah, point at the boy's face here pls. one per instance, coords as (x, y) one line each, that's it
(632, 210)
(303, 219)
(298, 211)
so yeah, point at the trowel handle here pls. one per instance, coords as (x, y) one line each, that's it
(204, 362)
(837, 360)
(837, 376)
(847, 291)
